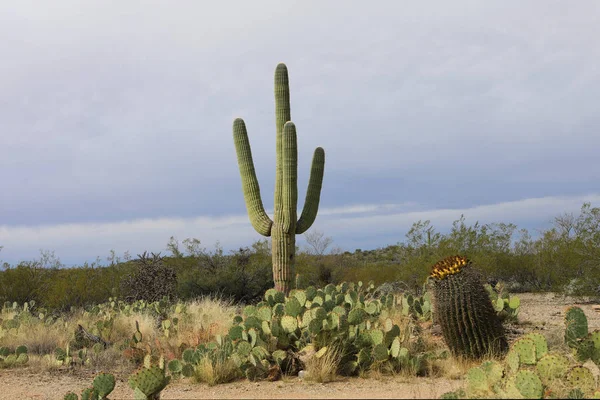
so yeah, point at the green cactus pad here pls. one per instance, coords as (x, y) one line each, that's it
(235, 332)
(252, 336)
(594, 337)
(188, 355)
(357, 316)
(322, 351)
(315, 326)
(526, 350)
(21, 350)
(252, 322)
(149, 381)
(260, 352)
(11, 359)
(300, 295)
(552, 367)
(514, 302)
(311, 292)
(395, 347)
(529, 384)
(541, 345)
(585, 350)
(293, 307)
(576, 326)
(71, 396)
(458, 394)
(512, 361)
(371, 308)
(380, 352)
(249, 310)
(498, 304)
(104, 384)
(279, 356)
(376, 336)
(351, 299)
(175, 366)
(582, 378)
(493, 371)
(334, 320)
(317, 301)
(278, 310)
(318, 313)
(364, 357)
(90, 394)
(476, 380)
(23, 358)
(243, 348)
(273, 297)
(264, 313)
(188, 370)
(289, 323)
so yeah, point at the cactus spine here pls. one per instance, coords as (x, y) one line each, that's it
(285, 225)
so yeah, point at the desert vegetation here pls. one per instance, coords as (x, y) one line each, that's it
(230, 324)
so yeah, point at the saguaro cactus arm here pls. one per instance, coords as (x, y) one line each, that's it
(290, 177)
(256, 211)
(313, 193)
(282, 115)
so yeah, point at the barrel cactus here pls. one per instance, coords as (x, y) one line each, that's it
(285, 225)
(470, 325)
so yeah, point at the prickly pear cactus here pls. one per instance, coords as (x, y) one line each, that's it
(470, 325)
(90, 394)
(529, 384)
(525, 375)
(104, 384)
(576, 326)
(147, 383)
(71, 396)
(526, 350)
(552, 367)
(581, 378)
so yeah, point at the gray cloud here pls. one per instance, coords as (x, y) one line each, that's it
(119, 111)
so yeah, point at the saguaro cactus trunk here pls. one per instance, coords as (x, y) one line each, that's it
(285, 225)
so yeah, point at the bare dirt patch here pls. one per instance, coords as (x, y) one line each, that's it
(539, 312)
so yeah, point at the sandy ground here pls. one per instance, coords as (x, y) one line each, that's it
(539, 312)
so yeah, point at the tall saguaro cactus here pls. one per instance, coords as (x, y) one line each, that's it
(285, 225)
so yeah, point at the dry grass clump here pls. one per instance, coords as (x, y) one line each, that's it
(39, 338)
(219, 370)
(202, 320)
(323, 368)
(206, 318)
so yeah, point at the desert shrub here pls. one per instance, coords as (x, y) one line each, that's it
(152, 281)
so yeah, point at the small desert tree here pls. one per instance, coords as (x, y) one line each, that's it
(152, 280)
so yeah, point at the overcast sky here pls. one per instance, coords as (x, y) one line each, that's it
(115, 117)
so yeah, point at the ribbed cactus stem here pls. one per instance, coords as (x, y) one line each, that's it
(285, 225)
(313, 194)
(256, 211)
(464, 311)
